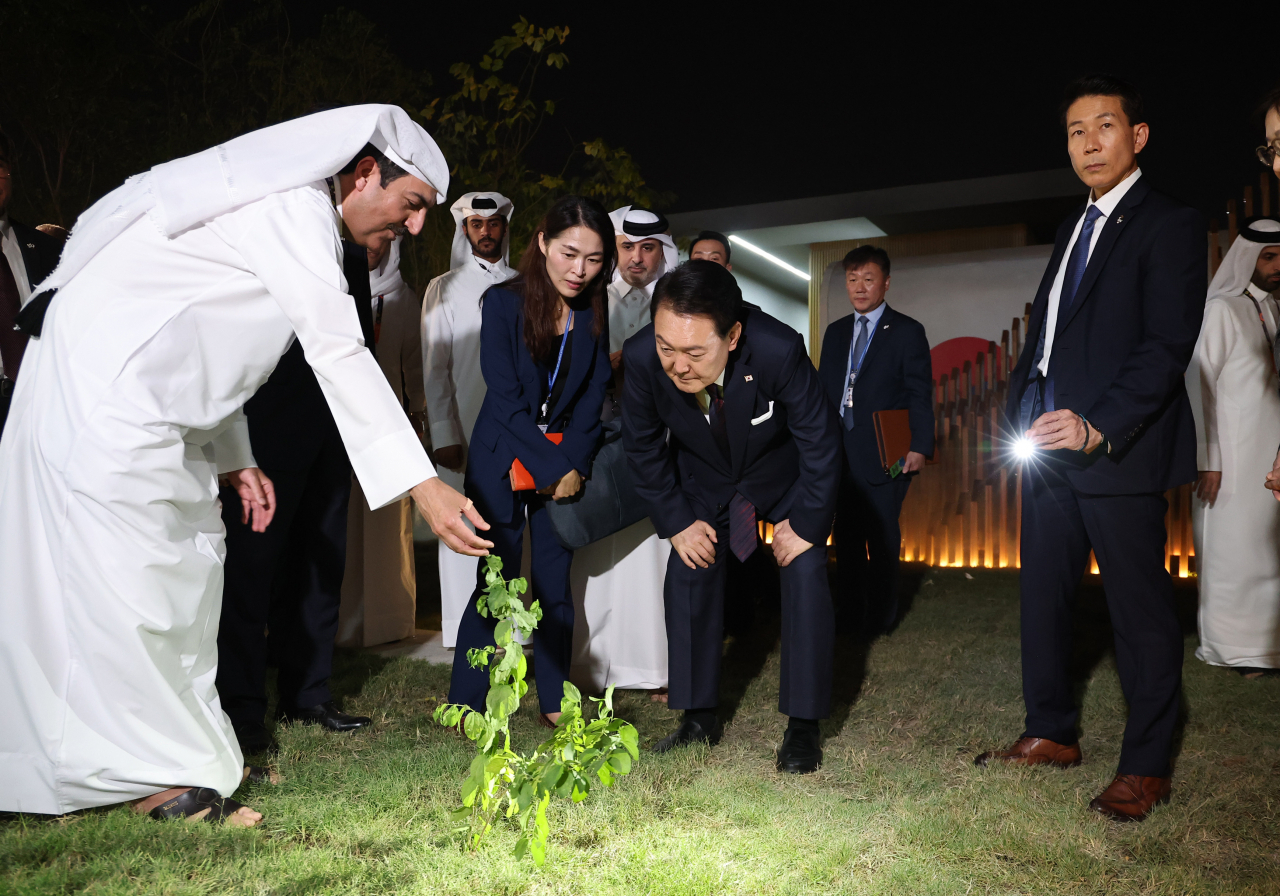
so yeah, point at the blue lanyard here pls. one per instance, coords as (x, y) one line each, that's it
(854, 368)
(551, 377)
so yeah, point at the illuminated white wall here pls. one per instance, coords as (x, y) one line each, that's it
(957, 294)
(792, 310)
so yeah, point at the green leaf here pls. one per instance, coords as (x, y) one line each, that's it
(473, 725)
(620, 762)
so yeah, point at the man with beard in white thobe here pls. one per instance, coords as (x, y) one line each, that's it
(175, 297)
(621, 635)
(379, 591)
(1237, 524)
(455, 387)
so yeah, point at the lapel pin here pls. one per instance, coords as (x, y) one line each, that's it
(1119, 219)
(747, 378)
(31, 245)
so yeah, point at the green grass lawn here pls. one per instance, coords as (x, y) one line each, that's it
(897, 808)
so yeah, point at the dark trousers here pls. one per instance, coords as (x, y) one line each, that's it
(868, 542)
(1127, 534)
(695, 599)
(549, 570)
(288, 579)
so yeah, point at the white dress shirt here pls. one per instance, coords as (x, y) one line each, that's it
(628, 310)
(1107, 204)
(873, 323)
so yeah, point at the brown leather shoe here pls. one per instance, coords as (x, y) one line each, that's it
(1034, 751)
(1131, 797)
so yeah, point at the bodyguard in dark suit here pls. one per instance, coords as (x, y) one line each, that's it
(289, 578)
(875, 359)
(751, 436)
(27, 257)
(1099, 391)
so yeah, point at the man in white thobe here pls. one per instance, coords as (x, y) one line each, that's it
(455, 387)
(621, 637)
(379, 590)
(176, 295)
(1237, 522)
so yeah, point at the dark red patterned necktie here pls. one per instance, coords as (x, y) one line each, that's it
(742, 513)
(12, 342)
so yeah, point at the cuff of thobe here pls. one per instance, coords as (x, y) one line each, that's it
(1213, 458)
(390, 467)
(444, 434)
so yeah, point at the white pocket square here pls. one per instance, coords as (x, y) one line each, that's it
(756, 421)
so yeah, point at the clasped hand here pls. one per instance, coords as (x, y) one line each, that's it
(696, 545)
(566, 486)
(1063, 430)
(257, 496)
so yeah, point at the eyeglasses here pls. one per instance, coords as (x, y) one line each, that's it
(1267, 154)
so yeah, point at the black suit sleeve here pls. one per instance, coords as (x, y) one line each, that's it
(1173, 291)
(812, 422)
(657, 481)
(917, 375)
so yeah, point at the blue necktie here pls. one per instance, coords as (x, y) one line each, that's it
(1076, 264)
(855, 361)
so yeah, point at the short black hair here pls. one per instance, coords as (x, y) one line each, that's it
(387, 169)
(6, 149)
(856, 258)
(702, 288)
(712, 235)
(1269, 102)
(1103, 85)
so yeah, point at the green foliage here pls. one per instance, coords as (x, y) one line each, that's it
(503, 783)
(97, 90)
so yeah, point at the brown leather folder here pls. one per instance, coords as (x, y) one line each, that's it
(893, 438)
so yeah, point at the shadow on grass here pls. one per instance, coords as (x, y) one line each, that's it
(1093, 637)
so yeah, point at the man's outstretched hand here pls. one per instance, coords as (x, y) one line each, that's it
(444, 508)
(257, 496)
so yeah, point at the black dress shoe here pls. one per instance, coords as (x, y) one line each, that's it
(800, 752)
(691, 731)
(255, 738)
(326, 714)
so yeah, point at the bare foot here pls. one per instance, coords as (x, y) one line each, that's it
(552, 717)
(273, 776)
(658, 695)
(244, 817)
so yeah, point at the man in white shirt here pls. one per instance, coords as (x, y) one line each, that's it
(175, 298)
(1097, 398)
(454, 385)
(646, 251)
(1234, 387)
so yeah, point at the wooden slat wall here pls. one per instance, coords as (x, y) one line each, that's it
(966, 509)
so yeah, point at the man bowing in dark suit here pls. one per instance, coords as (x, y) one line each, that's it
(751, 437)
(1099, 393)
(875, 359)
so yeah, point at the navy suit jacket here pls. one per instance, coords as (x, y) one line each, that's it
(1120, 352)
(897, 374)
(289, 418)
(781, 429)
(507, 427)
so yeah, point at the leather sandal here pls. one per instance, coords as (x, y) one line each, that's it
(258, 775)
(194, 801)
(545, 721)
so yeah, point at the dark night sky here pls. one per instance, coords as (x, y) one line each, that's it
(723, 107)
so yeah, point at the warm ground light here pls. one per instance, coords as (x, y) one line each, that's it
(898, 808)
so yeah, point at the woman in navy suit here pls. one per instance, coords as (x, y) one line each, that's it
(545, 363)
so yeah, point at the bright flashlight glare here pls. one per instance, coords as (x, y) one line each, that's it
(1024, 448)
